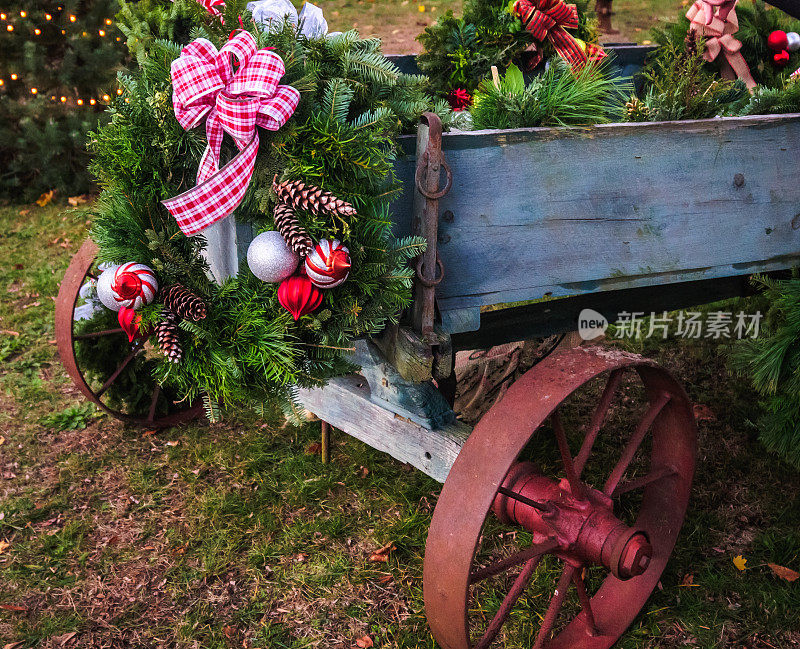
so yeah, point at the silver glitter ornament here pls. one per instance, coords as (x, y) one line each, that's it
(794, 41)
(270, 259)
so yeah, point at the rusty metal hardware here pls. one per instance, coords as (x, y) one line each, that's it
(585, 526)
(82, 269)
(430, 281)
(423, 162)
(581, 524)
(427, 180)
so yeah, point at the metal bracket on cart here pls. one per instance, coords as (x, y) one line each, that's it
(401, 363)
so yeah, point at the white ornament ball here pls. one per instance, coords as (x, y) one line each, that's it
(794, 41)
(270, 259)
(128, 285)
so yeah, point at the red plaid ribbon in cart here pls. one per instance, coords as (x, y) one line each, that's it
(549, 19)
(205, 85)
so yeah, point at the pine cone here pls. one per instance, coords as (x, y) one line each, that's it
(293, 233)
(637, 110)
(182, 302)
(168, 341)
(298, 195)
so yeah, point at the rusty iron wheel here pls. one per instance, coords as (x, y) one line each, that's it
(569, 519)
(81, 269)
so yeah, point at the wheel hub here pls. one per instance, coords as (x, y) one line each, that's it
(584, 525)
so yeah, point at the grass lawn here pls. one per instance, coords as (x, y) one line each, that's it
(235, 535)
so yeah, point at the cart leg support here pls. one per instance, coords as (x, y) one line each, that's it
(325, 441)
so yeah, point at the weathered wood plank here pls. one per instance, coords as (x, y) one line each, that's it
(345, 404)
(570, 211)
(418, 401)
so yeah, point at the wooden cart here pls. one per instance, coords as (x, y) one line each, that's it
(616, 218)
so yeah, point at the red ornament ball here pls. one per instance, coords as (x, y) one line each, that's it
(778, 41)
(328, 265)
(781, 58)
(299, 296)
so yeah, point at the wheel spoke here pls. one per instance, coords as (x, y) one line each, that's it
(117, 372)
(586, 602)
(634, 442)
(638, 483)
(97, 334)
(542, 507)
(499, 619)
(566, 456)
(555, 606)
(151, 413)
(598, 417)
(513, 560)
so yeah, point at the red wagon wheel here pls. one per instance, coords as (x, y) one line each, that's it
(82, 269)
(577, 523)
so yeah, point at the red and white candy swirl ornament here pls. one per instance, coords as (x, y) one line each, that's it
(129, 285)
(328, 265)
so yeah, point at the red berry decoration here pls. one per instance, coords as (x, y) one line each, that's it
(781, 58)
(459, 99)
(328, 265)
(299, 296)
(129, 321)
(777, 41)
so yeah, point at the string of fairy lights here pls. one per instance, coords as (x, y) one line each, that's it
(18, 20)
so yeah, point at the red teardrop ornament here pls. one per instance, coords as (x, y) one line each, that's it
(781, 58)
(299, 296)
(129, 321)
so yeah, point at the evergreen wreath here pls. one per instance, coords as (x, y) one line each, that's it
(460, 51)
(248, 349)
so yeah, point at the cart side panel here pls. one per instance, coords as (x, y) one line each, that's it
(538, 212)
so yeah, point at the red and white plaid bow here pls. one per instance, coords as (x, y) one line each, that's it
(205, 85)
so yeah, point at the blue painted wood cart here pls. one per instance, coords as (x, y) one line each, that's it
(621, 217)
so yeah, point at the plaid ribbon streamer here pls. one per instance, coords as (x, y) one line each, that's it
(205, 85)
(718, 29)
(549, 19)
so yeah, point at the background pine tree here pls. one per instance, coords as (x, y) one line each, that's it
(58, 63)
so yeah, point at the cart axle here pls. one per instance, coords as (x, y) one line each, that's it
(585, 528)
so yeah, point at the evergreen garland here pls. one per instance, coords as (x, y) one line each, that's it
(557, 97)
(774, 101)
(680, 86)
(354, 102)
(772, 362)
